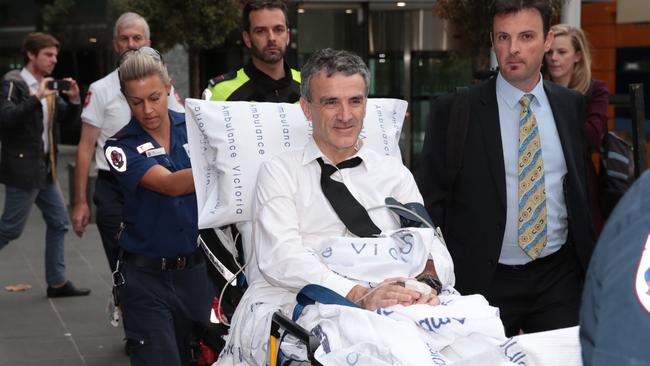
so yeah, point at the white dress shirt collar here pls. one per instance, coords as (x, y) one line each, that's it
(32, 83)
(29, 79)
(312, 152)
(511, 94)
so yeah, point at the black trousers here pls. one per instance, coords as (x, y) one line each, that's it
(541, 295)
(108, 201)
(163, 311)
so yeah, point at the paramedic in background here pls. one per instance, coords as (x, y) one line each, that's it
(105, 112)
(267, 77)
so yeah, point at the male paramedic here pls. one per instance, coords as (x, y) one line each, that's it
(267, 77)
(297, 205)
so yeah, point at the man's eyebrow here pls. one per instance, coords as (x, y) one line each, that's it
(327, 99)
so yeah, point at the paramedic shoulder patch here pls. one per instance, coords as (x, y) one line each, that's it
(642, 278)
(87, 100)
(116, 157)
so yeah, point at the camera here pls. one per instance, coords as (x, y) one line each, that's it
(58, 85)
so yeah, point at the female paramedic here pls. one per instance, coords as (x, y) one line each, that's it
(161, 280)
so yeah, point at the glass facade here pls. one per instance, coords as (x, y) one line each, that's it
(408, 50)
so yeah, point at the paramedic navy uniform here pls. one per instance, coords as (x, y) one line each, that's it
(615, 313)
(166, 296)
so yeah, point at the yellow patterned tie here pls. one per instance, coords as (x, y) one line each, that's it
(532, 191)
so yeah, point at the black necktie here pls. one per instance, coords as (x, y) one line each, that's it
(348, 209)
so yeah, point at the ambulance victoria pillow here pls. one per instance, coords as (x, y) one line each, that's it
(229, 141)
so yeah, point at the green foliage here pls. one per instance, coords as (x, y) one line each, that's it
(60, 18)
(473, 20)
(196, 24)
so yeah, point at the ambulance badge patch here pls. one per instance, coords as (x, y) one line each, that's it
(116, 158)
(642, 279)
(87, 99)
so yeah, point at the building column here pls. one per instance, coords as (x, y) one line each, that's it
(571, 12)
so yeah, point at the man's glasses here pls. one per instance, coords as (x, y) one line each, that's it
(144, 50)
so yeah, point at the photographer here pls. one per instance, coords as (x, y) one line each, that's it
(29, 107)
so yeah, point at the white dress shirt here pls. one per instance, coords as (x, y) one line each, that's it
(555, 169)
(32, 83)
(106, 108)
(292, 214)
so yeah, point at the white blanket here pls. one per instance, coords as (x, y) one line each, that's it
(461, 329)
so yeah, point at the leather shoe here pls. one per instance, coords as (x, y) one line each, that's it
(66, 290)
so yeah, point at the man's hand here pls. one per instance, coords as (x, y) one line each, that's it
(430, 299)
(389, 292)
(43, 91)
(80, 217)
(73, 91)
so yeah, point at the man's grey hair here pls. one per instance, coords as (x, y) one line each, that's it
(331, 61)
(130, 19)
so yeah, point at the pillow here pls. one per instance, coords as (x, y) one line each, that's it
(228, 141)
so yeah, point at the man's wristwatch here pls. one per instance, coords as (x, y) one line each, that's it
(432, 281)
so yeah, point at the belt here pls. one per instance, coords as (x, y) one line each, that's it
(537, 262)
(105, 174)
(163, 264)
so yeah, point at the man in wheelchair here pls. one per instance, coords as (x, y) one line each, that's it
(320, 218)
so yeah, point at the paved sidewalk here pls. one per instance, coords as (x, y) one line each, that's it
(35, 330)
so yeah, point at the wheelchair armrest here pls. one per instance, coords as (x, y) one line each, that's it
(280, 321)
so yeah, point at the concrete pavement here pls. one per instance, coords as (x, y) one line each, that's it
(35, 330)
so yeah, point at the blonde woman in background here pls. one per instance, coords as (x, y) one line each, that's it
(568, 63)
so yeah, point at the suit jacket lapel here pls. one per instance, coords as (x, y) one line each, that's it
(488, 112)
(562, 123)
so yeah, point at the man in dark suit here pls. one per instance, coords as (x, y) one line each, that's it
(515, 217)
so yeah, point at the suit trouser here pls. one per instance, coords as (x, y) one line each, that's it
(18, 205)
(541, 295)
(108, 201)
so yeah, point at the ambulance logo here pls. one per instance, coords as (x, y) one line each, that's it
(116, 157)
(87, 100)
(642, 280)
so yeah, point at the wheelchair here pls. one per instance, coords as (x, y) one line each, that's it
(223, 251)
(223, 265)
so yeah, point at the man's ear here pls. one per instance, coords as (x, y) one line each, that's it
(30, 56)
(305, 108)
(550, 36)
(247, 39)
